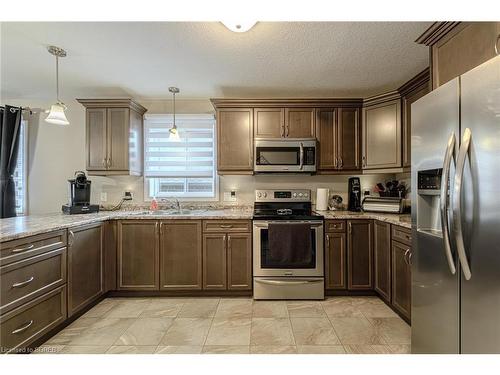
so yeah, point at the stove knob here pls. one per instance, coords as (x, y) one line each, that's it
(259, 195)
(300, 194)
(265, 195)
(295, 195)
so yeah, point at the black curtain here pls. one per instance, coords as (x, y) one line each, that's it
(10, 130)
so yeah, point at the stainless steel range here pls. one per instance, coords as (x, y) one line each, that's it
(288, 254)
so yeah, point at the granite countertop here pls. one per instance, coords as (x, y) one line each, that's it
(403, 220)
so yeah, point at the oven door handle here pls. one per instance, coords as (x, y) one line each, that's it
(290, 282)
(266, 225)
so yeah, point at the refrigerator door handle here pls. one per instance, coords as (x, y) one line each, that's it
(457, 204)
(445, 185)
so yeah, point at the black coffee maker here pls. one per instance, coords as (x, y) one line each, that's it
(79, 196)
(354, 203)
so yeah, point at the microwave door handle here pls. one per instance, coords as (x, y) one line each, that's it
(445, 185)
(457, 204)
(301, 156)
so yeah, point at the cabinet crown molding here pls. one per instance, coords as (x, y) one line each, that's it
(286, 102)
(435, 32)
(381, 98)
(113, 103)
(419, 80)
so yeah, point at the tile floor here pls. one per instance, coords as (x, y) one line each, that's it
(337, 325)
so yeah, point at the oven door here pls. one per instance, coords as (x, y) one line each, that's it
(263, 265)
(285, 156)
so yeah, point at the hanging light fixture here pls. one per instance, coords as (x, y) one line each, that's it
(56, 113)
(174, 132)
(240, 26)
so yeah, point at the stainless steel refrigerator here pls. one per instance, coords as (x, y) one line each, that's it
(456, 215)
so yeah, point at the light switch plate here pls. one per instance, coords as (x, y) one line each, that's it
(104, 197)
(230, 196)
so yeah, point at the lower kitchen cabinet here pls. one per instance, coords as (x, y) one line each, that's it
(215, 261)
(401, 278)
(85, 266)
(360, 254)
(138, 255)
(382, 255)
(335, 257)
(180, 255)
(239, 261)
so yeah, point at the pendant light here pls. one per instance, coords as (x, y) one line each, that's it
(56, 113)
(241, 26)
(174, 132)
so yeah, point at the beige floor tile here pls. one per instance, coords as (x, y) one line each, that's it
(128, 308)
(341, 308)
(234, 308)
(393, 330)
(363, 300)
(187, 332)
(163, 308)
(72, 331)
(400, 349)
(271, 331)
(225, 349)
(170, 349)
(104, 332)
(375, 310)
(48, 349)
(273, 349)
(367, 349)
(356, 331)
(229, 332)
(145, 331)
(320, 349)
(85, 349)
(101, 308)
(313, 331)
(270, 309)
(131, 349)
(305, 309)
(199, 308)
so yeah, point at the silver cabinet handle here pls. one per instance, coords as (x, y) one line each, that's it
(341, 163)
(282, 131)
(363, 161)
(71, 238)
(409, 258)
(226, 226)
(287, 127)
(287, 282)
(109, 162)
(104, 162)
(445, 185)
(229, 243)
(23, 328)
(327, 241)
(349, 227)
(301, 155)
(22, 249)
(23, 283)
(405, 256)
(457, 209)
(335, 162)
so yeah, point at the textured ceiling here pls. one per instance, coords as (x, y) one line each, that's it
(282, 59)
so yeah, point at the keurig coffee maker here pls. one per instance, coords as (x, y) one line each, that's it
(354, 203)
(79, 196)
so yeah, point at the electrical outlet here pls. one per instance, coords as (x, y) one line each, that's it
(104, 197)
(230, 196)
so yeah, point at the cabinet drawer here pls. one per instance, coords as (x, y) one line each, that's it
(24, 280)
(22, 326)
(226, 226)
(15, 250)
(335, 226)
(401, 234)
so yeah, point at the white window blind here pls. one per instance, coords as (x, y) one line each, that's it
(184, 168)
(20, 173)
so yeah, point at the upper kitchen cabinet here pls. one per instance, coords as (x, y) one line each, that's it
(114, 131)
(381, 144)
(299, 123)
(235, 140)
(269, 122)
(457, 47)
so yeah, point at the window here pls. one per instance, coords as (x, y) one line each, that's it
(20, 173)
(184, 168)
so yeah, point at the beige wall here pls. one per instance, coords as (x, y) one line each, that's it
(56, 152)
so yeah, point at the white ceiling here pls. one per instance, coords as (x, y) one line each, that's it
(283, 59)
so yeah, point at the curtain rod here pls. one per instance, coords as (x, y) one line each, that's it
(14, 109)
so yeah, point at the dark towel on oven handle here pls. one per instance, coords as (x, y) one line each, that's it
(290, 244)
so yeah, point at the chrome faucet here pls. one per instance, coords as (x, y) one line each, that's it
(177, 204)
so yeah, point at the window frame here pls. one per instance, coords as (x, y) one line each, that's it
(180, 197)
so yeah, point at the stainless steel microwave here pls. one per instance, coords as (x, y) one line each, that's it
(288, 155)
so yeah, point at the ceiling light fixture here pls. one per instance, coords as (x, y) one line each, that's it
(56, 113)
(174, 132)
(239, 27)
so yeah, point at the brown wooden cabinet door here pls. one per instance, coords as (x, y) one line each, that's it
(235, 140)
(335, 254)
(401, 278)
(360, 254)
(180, 255)
(408, 100)
(85, 266)
(382, 254)
(118, 138)
(299, 123)
(382, 135)
(138, 255)
(348, 139)
(239, 261)
(96, 139)
(326, 131)
(214, 261)
(269, 122)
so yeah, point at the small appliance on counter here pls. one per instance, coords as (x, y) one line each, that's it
(383, 204)
(354, 202)
(79, 196)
